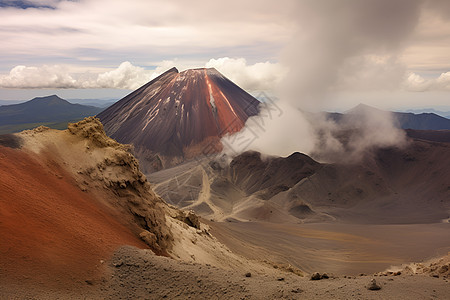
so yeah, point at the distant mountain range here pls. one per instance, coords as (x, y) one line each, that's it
(51, 111)
(10, 102)
(55, 112)
(422, 121)
(102, 103)
(444, 112)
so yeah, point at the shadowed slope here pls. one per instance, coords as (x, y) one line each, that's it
(388, 185)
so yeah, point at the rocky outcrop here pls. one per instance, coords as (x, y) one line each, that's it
(105, 168)
(119, 171)
(373, 285)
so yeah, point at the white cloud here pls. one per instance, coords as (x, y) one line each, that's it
(333, 47)
(126, 76)
(444, 81)
(256, 77)
(38, 77)
(416, 83)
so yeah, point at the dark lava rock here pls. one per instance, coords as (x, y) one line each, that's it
(373, 286)
(316, 276)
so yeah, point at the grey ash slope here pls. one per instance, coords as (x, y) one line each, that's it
(389, 185)
(178, 115)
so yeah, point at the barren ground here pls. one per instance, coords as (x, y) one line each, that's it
(66, 216)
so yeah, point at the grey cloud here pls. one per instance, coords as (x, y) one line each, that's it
(339, 44)
(142, 28)
(24, 4)
(331, 33)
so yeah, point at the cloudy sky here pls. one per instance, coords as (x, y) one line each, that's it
(333, 54)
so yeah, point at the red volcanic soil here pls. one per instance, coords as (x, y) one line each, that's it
(176, 112)
(50, 231)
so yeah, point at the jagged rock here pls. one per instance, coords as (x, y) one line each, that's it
(190, 218)
(373, 286)
(318, 276)
(408, 270)
(444, 269)
(92, 129)
(149, 238)
(118, 170)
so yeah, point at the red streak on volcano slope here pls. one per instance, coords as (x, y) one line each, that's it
(49, 229)
(226, 116)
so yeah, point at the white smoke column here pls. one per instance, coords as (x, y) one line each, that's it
(339, 42)
(278, 130)
(376, 129)
(361, 129)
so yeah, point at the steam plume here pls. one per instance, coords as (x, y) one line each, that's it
(335, 44)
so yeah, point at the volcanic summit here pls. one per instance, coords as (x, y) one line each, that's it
(178, 115)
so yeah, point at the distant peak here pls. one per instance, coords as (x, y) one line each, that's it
(48, 99)
(361, 105)
(361, 108)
